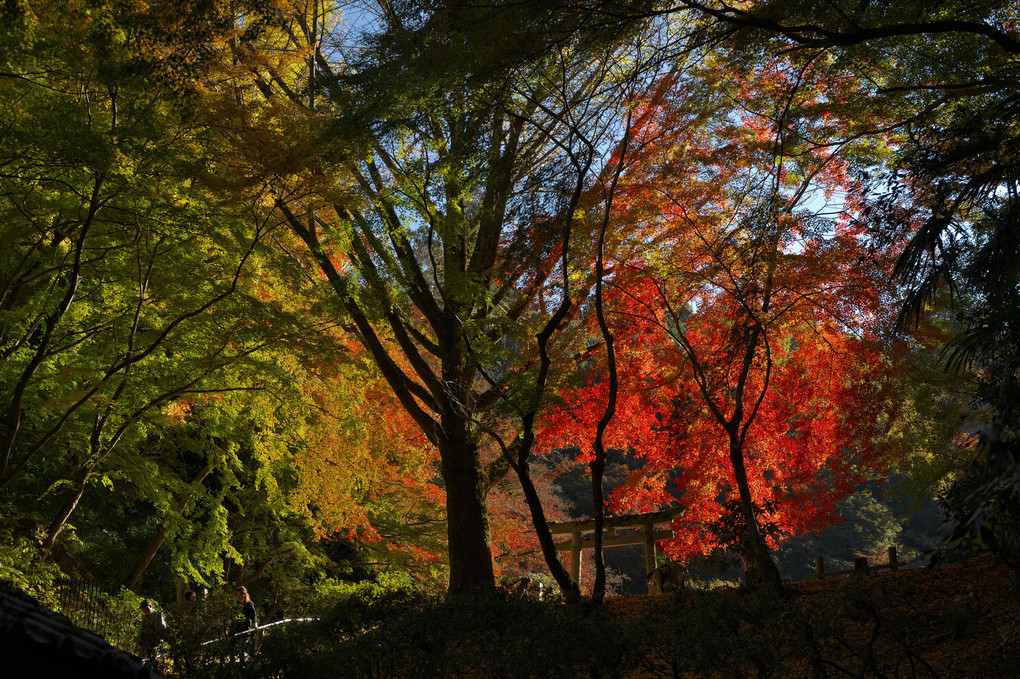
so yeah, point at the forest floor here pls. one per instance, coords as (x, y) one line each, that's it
(959, 620)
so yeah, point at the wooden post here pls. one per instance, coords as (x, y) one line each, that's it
(819, 567)
(649, 530)
(892, 558)
(575, 556)
(861, 566)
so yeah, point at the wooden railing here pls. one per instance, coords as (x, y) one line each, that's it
(861, 566)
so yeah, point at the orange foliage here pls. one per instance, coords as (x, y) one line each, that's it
(365, 469)
(736, 305)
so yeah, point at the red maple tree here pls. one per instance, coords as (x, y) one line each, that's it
(746, 324)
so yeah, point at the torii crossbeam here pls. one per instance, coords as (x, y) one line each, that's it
(646, 535)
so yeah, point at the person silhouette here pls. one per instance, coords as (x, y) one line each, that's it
(247, 608)
(152, 632)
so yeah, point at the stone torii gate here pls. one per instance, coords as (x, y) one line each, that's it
(582, 536)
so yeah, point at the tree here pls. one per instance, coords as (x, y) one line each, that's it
(443, 217)
(942, 73)
(741, 300)
(120, 273)
(138, 319)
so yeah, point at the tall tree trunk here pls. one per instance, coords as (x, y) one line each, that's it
(467, 519)
(57, 526)
(758, 550)
(598, 496)
(598, 463)
(556, 568)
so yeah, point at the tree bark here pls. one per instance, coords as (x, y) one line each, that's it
(467, 518)
(560, 574)
(758, 551)
(57, 526)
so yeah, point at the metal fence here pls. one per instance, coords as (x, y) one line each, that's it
(86, 604)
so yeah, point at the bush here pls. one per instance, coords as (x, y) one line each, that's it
(709, 633)
(853, 630)
(488, 634)
(293, 649)
(865, 627)
(23, 567)
(382, 632)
